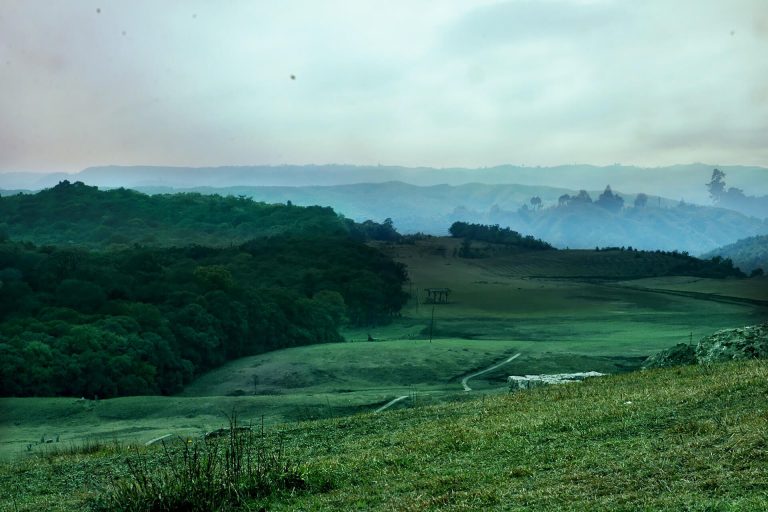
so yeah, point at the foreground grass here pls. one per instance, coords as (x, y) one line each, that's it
(693, 438)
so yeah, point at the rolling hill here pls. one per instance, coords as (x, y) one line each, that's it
(748, 253)
(200, 215)
(662, 224)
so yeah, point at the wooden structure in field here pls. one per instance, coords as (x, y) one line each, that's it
(437, 295)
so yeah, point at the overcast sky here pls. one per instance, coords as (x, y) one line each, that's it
(441, 83)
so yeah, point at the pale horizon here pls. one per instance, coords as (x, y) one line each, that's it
(74, 172)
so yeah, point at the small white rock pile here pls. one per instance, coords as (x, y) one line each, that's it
(531, 381)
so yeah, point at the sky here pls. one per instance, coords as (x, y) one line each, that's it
(416, 83)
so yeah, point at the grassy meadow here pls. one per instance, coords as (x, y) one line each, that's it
(691, 438)
(559, 321)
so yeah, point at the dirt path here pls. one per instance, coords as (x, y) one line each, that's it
(490, 368)
(157, 439)
(390, 403)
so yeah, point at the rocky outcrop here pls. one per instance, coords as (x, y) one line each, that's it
(749, 342)
(729, 344)
(680, 354)
(531, 381)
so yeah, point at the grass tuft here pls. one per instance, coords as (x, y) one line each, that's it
(213, 473)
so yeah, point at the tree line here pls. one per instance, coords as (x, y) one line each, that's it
(496, 235)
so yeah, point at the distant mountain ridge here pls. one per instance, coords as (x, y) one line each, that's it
(662, 223)
(677, 181)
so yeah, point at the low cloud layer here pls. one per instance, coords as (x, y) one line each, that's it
(450, 83)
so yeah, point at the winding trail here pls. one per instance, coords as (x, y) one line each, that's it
(490, 368)
(390, 403)
(157, 439)
(463, 382)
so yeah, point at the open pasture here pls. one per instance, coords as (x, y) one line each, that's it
(499, 298)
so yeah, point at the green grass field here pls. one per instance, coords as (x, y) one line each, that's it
(557, 324)
(691, 438)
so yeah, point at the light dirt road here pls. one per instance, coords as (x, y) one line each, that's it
(489, 369)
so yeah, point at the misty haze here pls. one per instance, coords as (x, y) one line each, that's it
(457, 255)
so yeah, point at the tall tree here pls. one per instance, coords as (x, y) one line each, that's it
(610, 201)
(582, 197)
(716, 185)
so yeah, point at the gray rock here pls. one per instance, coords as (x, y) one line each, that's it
(749, 342)
(531, 381)
(680, 354)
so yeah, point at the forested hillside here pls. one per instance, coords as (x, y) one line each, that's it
(75, 213)
(70, 213)
(605, 262)
(562, 217)
(580, 223)
(79, 319)
(497, 235)
(749, 254)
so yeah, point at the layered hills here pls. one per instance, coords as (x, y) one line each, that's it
(677, 181)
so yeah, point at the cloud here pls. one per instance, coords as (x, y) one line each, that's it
(415, 83)
(515, 22)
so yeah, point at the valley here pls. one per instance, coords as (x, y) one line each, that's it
(542, 305)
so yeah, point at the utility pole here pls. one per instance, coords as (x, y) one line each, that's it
(432, 324)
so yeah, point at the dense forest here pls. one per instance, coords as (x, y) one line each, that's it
(78, 214)
(496, 235)
(146, 319)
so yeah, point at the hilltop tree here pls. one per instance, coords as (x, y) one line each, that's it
(582, 197)
(734, 198)
(610, 201)
(536, 202)
(716, 185)
(726, 197)
(563, 200)
(641, 200)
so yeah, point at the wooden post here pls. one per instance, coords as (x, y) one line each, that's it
(432, 324)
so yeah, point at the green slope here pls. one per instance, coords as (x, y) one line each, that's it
(748, 254)
(691, 438)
